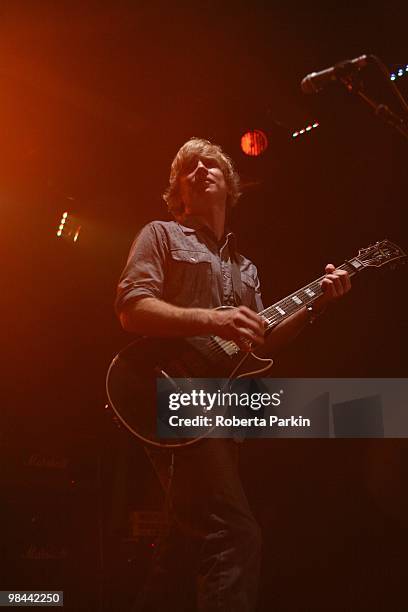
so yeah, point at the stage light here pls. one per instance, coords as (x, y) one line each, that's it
(69, 227)
(308, 128)
(399, 73)
(254, 143)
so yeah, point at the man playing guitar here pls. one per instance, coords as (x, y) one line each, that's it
(177, 274)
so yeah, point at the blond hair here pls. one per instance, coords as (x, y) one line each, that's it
(195, 147)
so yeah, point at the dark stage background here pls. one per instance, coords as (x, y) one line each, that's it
(96, 97)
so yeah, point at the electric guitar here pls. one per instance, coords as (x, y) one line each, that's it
(132, 375)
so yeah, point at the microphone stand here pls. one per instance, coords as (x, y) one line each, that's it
(353, 84)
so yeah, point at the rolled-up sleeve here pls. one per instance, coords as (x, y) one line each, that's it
(145, 269)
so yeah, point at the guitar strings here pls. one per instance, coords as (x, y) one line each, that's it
(220, 346)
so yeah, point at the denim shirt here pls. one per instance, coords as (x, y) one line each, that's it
(185, 265)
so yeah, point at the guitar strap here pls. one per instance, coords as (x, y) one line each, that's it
(235, 272)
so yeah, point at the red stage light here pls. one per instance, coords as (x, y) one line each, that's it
(254, 143)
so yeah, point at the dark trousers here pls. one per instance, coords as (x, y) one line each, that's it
(213, 542)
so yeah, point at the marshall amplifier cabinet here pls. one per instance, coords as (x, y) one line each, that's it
(51, 520)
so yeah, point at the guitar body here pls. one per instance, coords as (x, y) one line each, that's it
(132, 377)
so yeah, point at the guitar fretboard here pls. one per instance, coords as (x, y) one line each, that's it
(378, 255)
(303, 297)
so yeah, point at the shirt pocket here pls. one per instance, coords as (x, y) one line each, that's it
(248, 290)
(189, 279)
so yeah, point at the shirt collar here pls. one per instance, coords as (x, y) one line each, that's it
(191, 225)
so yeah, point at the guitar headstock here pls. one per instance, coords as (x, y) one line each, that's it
(381, 254)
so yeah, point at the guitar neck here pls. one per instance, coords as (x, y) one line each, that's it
(303, 297)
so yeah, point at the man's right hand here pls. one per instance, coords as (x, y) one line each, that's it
(153, 317)
(242, 325)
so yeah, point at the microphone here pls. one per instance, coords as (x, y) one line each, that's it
(316, 81)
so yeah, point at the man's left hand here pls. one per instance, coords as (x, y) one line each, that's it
(335, 284)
